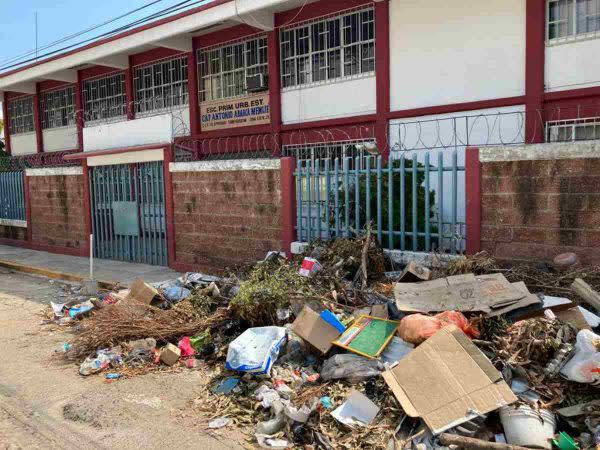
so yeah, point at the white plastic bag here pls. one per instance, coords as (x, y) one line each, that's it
(584, 366)
(255, 350)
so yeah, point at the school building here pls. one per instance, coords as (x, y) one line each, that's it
(207, 138)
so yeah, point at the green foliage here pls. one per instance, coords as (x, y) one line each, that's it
(267, 289)
(385, 206)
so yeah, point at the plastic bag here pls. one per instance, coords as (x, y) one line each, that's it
(351, 367)
(255, 350)
(584, 366)
(417, 328)
(186, 347)
(104, 358)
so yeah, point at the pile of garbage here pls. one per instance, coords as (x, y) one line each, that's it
(329, 350)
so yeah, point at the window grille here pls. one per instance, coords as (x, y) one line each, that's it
(222, 71)
(58, 108)
(20, 113)
(572, 17)
(342, 46)
(573, 130)
(161, 85)
(104, 98)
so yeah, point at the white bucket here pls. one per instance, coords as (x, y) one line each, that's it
(527, 427)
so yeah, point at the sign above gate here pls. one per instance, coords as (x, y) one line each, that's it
(237, 112)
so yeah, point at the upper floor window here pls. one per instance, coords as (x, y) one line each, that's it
(572, 17)
(573, 130)
(104, 98)
(58, 108)
(222, 71)
(20, 115)
(161, 85)
(324, 50)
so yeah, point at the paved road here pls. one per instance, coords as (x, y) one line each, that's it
(45, 404)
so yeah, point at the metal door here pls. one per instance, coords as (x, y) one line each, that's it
(128, 212)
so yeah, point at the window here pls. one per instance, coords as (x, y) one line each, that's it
(104, 98)
(20, 113)
(573, 130)
(161, 85)
(328, 49)
(572, 17)
(58, 108)
(222, 71)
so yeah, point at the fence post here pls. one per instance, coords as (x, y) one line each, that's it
(87, 204)
(288, 203)
(27, 206)
(169, 206)
(473, 197)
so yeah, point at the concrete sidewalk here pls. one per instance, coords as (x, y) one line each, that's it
(104, 270)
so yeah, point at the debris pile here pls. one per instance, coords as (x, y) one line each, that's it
(329, 350)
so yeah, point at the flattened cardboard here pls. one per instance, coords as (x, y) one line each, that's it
(459, 293)
(141, 292)
(447, 381)
(527, 301)
(313, 329)
(575, 317)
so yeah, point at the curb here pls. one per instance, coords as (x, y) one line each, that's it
(52, 274)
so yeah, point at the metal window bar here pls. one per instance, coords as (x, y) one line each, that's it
(328, 49)
(104, 98)
(161, 85)
(12, 195)
(402, 200)
(222, 71)
(20, 113)
(573, 130)
(57, 108)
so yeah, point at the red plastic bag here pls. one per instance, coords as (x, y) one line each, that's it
(186, 347)
(417, 328)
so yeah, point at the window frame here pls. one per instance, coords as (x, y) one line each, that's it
(65, 111)
(153, 71)
(572, 125)
(294, 75)
(20, 120)
(116, 101)
(572, 22)
(225, 54)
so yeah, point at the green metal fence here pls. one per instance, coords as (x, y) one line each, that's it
(128, 212)
(414, 202)
(12, 195)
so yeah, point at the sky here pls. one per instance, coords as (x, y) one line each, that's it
(58, 18)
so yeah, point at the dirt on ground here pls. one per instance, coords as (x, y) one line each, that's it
(45, 403)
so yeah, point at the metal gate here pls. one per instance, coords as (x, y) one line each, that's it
(128, 212)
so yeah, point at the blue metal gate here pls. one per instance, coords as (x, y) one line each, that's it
(128, 212)
(414, 202)
(12, 195)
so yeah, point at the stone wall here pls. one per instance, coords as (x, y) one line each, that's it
(541, 200)
(57, 202)
(226, 212)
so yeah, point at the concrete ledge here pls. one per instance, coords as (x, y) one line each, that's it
(226, 165)
(54, 171)
(537, 152)
(13, 223)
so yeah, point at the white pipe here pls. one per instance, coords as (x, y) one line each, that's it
(91, 257)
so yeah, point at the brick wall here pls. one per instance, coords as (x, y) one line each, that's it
(535, 209)
(57, 211)
(225, 218)
(13, 233)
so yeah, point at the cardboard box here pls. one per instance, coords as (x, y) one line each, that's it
(313, 329)
(170, 354)
(141, 292)
(414, 272)
(447, 381)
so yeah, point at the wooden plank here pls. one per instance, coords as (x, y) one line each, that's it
(585, 291)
